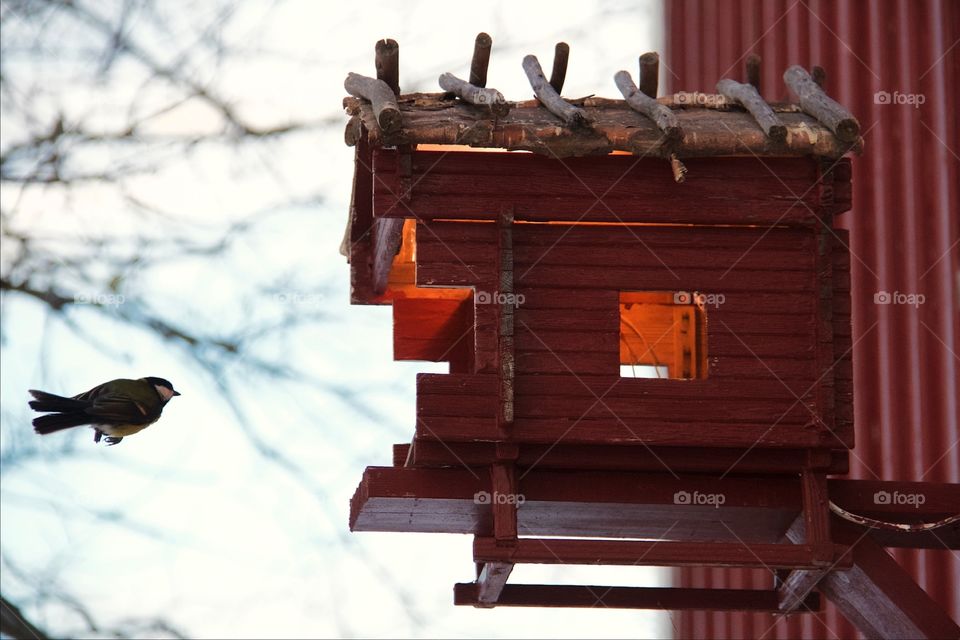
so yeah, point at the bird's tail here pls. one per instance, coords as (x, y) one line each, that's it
(44, 401)
(59, 421)
(69, 412)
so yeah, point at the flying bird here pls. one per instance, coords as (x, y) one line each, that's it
(116, 409)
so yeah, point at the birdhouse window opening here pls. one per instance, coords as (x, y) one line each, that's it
(662, 335)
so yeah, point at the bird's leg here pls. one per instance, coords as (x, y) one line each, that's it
(112, 440)
(97, 434)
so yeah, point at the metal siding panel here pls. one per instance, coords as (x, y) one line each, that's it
(904, 233)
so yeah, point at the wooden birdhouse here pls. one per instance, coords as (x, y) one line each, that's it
(645, 307)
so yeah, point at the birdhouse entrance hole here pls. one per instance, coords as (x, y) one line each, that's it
(662, 335)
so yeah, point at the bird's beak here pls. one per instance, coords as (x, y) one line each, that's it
(177, 393)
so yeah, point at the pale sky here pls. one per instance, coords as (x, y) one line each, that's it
(226, 544)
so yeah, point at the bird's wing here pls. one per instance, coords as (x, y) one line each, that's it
(118, 407)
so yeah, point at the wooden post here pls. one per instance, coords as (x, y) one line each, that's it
(480, 60)
(662, 116)
(819, 75)
(388, 63)
(753, 71)
(749, 98)
(561, 54)
(506, 305)
(650, 74)
(548, 96)
(380, 96)
(821, 106)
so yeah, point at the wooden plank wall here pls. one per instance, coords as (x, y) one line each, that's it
(761, 340)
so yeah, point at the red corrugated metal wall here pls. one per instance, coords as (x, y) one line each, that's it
(904, 238)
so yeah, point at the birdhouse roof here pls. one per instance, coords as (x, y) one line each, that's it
(710, 125)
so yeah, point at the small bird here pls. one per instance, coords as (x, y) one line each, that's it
(116, 409)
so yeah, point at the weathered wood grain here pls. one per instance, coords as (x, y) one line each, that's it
(814, 101)
(381, 97)
(492, 99)
(749, 98)
(639, 101)
(572, 116)
(480, 60)
(440, 119)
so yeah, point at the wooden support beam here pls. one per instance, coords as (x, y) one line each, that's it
(814, 101)
(747, 96)
(752, 67)
(649, 74)
(796, 589)
(561, 54)
(503, 502)
(662, 116)
(550, 97)
(480, 60)
(381, 97)
(660, 598)
(426, 453)
(478, 96)
(658, 553)
(816, 509)
(490, 583)
(880, 597)
(388, 63)
(634, 504)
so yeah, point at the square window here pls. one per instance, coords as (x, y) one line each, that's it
(662, 335)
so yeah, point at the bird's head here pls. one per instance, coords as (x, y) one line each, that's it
(163, 387)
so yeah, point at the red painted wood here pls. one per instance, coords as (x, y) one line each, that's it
(658, 553)
(594, 596)
(503, 484)
(472, 186)
(625, 504)
(424, 453)
(360, 247)
(432, 329)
